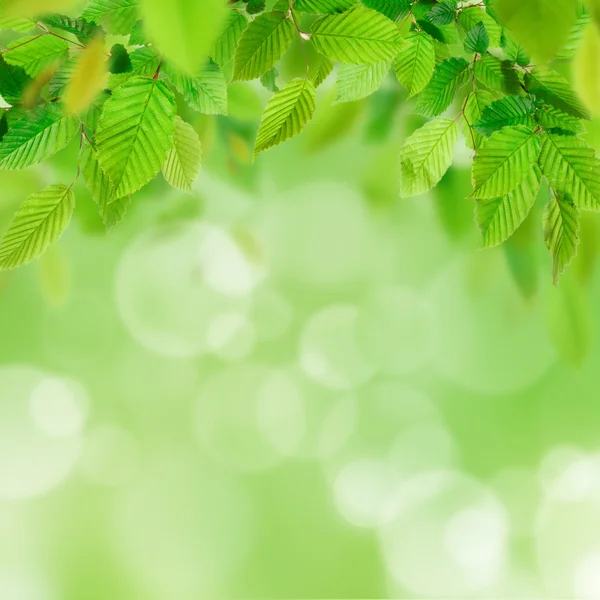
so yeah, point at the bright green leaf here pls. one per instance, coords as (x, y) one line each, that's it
(117, 16)
(561, 226)
(359, 81)
(286, 114)
(323, 7)
(37, 136)
(477, 39)
(426, 156)
(39, 222)
(135, 133)
(111, 209)
(504, 161)
(439, 93)
(262, 44)
(415, 63)
(499, 218)
(358, 36)
(553, 88)
(185, 157)
(506, 112)
(223, 50)
(35, 53)
(572, 169)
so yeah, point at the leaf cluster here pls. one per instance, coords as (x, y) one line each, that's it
(470, 73)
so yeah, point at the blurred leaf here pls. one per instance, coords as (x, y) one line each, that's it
(570, 322)
(541, 26)
(89, 77)
(184, 30)
(35, 8)
(119, 62)
(269, 80)
(54, 276)
(586, 69)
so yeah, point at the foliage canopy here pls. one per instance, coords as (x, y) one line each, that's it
(489, 69)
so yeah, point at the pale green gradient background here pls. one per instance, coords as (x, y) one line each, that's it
(292, 384)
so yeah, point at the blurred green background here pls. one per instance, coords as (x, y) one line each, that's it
(291, 384)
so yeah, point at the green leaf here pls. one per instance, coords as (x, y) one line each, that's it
(37, 136)
(554, 89)
(443, 13)
(506, 112)
(359, 36)
(120, 61)
(254, 7)
(81, 29)
(542, 26)
(184, 31)
(33, 54)
(262, 44)
(145, 60)
(572, 169)
(392, 9)
(111, 209)
(185, 157)
(499, 218)
(135, 133)
(477, 39)
(471, 16)
(476, 103)
(497, 75)
(552, 118)
(39, 222)
(561, 226)
(19, 24)
(513, 51)
(415, 63)
(137, 36)
(504, 161)
(206, 92)
(323, 7)
(426, 156)
(117, 16)
(439, 93)
(319, 70)
(286, 114)
(61, 79)
(269, 80)
(359, 81)
(13, 81)
(224, 48)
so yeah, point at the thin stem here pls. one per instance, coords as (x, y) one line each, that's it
(56, 35)
(27, 42)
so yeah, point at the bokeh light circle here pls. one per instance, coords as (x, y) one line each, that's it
(443, 535)
(168, 291)
(250, 417)
(41, 421)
